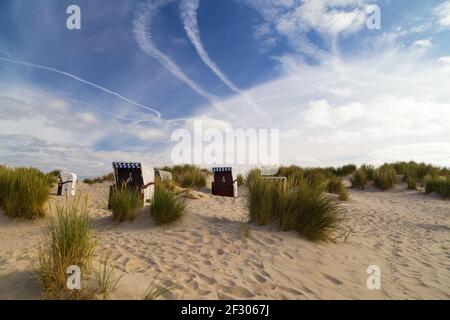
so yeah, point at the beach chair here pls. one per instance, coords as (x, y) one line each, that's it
(225, 182)
(134, 175)
(163, 175)
(67, 183)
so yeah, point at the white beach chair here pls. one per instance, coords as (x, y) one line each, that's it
(163, 175)
(67, 183)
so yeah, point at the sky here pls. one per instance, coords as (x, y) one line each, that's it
(115, 90)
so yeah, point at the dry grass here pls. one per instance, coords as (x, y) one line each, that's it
(166, 206)
(359, 179)
(106, 279)
(68, 240)
(438, 184)
(336, 186)
(385, 177)
(188, 176)
(105, 178)
(24, 191)
(301, 205)
(154, 291)
(124, 202)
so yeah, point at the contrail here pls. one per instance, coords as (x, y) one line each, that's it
(70, 75)
(142, 32)
(188, 9)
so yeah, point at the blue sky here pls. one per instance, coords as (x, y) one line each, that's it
(337, 91)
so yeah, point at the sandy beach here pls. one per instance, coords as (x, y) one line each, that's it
(210, 254)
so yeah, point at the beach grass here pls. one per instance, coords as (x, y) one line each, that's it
(24, 191)
(240, 179)
(299, 205)
(106, 279)
(359, 179)
(411, 180)
(68, 241)
(336, 186)
(261, 199)
(153, 291)
(101, 179)
(438, 184)
(166, 206)
(188, 176)
(124, 202)
(385, 177)
(319, 215)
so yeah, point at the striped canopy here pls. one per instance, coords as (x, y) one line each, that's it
(126, 165)
(223, 169)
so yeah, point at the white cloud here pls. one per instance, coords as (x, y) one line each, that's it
(425, 43)
(49, 131)
(391, 98)
(443, 14)
(342, 92)
(293, 19)
(445, 61)
(87, 117)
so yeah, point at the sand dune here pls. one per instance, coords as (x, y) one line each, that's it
(211, 255)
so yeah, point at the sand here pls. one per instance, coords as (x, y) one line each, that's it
(210, 254)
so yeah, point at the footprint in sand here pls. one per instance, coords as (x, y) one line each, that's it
(332, 279)
(237, 291)
(208, 280)
(259, 278)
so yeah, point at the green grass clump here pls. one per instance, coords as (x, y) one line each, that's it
(438, 184)
(346, 170)
(293, 172)
(69, 240)
(124, 201)
(261, 199)
(297, 172)
(318, 177)
(23, 192)
(410, 178)
(240, 180)
(336, 186)
(343, 194)
(188, 176)
(318, 214)
(359, 179)
(153, 291)
(385, 177)
(299, 205)
(5, 183)
(106, 279)
(88, 181)
(419, 170)
(53, 176)
(105, 178)
(166, 206)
